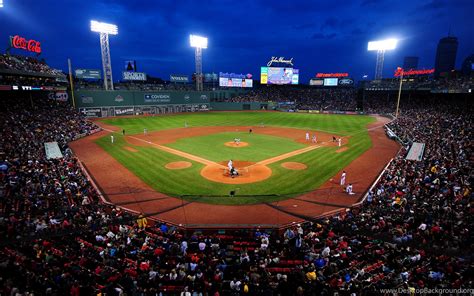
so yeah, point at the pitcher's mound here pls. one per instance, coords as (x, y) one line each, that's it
(235, 145)
(178, 165)
(248, 173)
(294, 166)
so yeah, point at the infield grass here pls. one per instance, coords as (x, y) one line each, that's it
(148, 163)
(260, 146)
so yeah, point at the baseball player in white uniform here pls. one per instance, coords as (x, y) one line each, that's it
(230, 165)
(339, 141)
(349, 189)
(307, 136)
(112, 139)
(314, 138)
(343, 178)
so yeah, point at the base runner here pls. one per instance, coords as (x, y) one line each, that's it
(343, 178)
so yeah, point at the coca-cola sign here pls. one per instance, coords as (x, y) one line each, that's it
(22, 43)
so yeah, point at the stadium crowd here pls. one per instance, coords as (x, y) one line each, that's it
(413, 232)
(26, 64)
(342, 99)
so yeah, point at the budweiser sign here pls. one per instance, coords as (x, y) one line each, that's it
(22, 43)
(400, 72)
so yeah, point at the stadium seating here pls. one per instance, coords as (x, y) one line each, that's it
(415, 230)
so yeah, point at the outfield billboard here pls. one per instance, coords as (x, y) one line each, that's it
(179, 78)
(346, 82)
(235, 80)
(211, 77)
(88, 74)
(316, 82)
(330, 81)
(134, 76)
(156, 98)
(278, 75)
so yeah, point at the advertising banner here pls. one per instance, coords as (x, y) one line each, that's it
(124, 111)
(87, 74)
(412, 72)
(263, 75)
(134, 76)
(279, 61)
(330, 81)
(157, 98)
(316, 82)
(346, 82)
(22, 43)
(235, 80)
(211, 77)
(59, 96)
(179, 78)
(91, 112)
(87, 100)
(273, 75)
(331, 75)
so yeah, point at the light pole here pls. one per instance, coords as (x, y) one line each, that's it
(381, 46)
(198, 42)
(105, 30)
(399, 91)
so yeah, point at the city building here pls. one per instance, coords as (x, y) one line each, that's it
(446, 55)
(468, 65)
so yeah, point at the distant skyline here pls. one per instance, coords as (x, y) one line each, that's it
(320, 36)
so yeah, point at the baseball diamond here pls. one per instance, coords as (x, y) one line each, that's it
(172, 171)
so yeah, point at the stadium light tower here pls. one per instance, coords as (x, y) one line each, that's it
(198, 42)
(105, 30)
(1, 3)
(381, 46)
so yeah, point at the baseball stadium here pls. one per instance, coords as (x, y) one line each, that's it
(296, 174)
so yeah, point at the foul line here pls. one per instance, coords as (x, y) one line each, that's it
(175, 152)
(307, 149)
(287, 155)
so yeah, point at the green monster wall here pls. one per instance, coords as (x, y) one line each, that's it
(99, 103)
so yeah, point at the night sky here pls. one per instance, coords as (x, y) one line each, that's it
(321, 36)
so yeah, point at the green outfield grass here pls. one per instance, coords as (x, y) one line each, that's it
(323, 163)
(324, 122)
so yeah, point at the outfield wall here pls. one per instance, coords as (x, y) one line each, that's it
(100, 98)
(100, 103)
